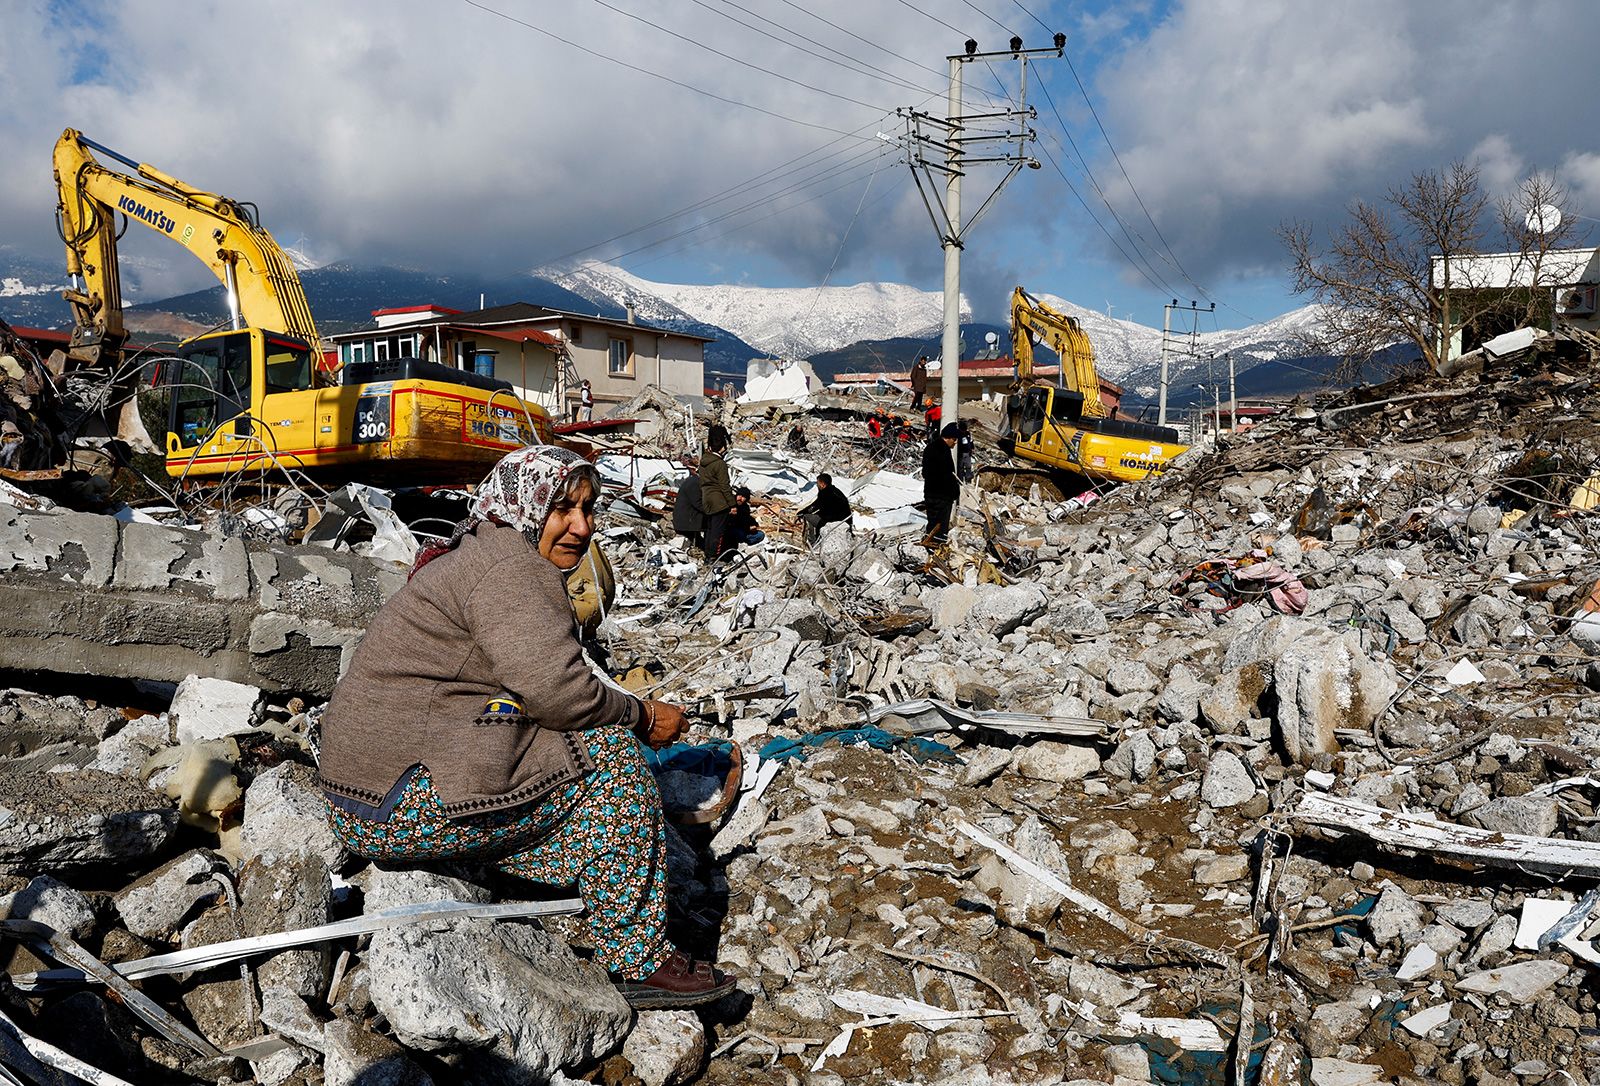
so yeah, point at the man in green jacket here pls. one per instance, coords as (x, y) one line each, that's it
(716, 491)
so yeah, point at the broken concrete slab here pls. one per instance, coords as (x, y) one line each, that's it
(48, 902)
(286, 815)
(355, 1056)
(156, 905)
(1056, 762)
(91, 595)
(1323, 680)
(509, 992)
(287, 893)
(204, 708)
(1520, 982)
(665, 1047)
(63, 821)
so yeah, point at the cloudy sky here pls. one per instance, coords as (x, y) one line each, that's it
(737, 140)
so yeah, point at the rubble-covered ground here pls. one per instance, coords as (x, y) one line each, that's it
(1276, 769)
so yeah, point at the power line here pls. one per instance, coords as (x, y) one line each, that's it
(656, 75)
(769, 215)
(870, 69)
(1131, 187)
(1153, 281)
(732, 190)
(737, 60)
(1003, 27)
(851, 166)
(863, 41)
(839, 252)
(935, 18)
(1032, 16)
(1088, 174)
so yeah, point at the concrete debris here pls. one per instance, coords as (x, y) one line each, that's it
(1368, 828)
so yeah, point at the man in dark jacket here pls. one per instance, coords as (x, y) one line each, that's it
(828, 506)
(716, 492)
(940, 487)
(688, 518)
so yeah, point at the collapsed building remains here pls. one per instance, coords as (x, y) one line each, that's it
(1276, 768)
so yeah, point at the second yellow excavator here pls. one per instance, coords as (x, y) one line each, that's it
(252, 398)
(1071, 428)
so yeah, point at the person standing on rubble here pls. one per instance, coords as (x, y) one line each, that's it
(716, 492)
(586, 401)
(688, 518)
(966, 452)
(919, 382)
(941, 489)
(471, 727)
(828, 506)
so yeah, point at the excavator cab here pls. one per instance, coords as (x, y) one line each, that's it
(218, 386)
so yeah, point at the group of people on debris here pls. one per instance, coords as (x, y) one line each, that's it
(717, 517)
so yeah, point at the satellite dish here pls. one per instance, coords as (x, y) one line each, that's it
(1543, 219)
(991, 338)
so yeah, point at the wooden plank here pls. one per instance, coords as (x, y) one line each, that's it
(1468, 844)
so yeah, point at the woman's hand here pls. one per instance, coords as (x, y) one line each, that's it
(662, 724)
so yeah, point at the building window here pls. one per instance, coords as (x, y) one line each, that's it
(406, 347)
(619, 361)
(380, 351)
(577, 334)
(358, 352)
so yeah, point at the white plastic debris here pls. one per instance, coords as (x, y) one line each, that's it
(1465, 673)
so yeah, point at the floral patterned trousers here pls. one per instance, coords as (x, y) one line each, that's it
(603, 833)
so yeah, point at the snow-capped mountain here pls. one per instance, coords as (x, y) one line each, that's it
(800, 322)
(793, 322)
(30, 291)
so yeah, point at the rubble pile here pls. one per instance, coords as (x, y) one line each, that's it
(1275, 769)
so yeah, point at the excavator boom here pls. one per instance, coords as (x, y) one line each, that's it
(1062, 334)
(263, 289)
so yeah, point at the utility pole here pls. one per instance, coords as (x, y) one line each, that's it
(1233, 398)
(1166, 334)
(947, 152)
(1166, 339)
(950, 372)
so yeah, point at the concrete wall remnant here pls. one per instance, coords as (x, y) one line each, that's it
(82, 594)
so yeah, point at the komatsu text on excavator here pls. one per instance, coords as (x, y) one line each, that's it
(251, 398)
(1071, 428)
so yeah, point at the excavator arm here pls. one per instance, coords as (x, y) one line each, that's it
(263, 290)
(1062, 334)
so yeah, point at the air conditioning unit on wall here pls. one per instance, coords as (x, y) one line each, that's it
(1577, 301)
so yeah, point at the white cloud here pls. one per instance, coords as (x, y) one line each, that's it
(442, 133)
(1234, 115)
(1500, 169)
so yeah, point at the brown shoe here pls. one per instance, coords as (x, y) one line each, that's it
(680, 982)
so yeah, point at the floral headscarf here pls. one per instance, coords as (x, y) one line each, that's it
(519, 492)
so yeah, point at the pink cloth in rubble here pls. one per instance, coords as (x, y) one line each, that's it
(1283, 588)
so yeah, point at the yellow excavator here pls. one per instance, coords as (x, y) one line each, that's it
(1070, 427)
(252, 398)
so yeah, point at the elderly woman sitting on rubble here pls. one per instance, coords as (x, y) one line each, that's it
(470, 727)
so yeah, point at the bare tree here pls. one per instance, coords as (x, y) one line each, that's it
(1401, 270)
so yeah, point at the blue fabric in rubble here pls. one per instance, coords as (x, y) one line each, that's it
(923, 750)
